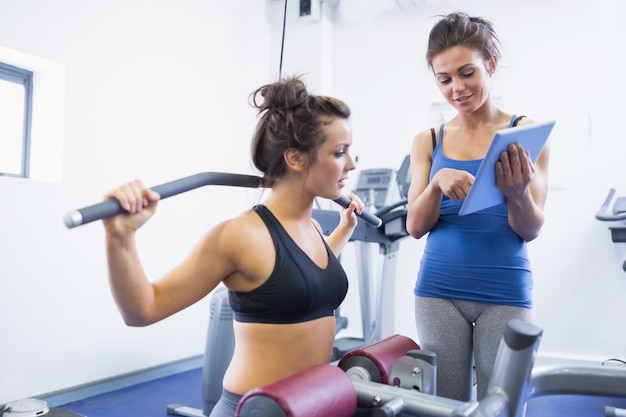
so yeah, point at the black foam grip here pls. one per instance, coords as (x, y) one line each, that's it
(112, 207)
(371, 219)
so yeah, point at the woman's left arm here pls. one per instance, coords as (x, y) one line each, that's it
(525, 186)
(347, 223)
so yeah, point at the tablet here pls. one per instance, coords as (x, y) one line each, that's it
(483, 192)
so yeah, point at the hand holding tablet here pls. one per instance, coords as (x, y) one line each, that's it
(484, 193)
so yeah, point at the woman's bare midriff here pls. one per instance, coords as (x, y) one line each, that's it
(266, 353)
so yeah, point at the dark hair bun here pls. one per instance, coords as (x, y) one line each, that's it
(286, 94)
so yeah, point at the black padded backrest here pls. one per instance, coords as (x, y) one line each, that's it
(403, 177)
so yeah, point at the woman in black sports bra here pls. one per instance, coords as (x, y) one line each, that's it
(283, 276)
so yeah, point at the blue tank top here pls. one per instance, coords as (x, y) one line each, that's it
(297, 290)
(477, 257)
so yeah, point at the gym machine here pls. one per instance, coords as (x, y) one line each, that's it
(383, 387)
(377, 188)
(592, 380)
(618, 233)
(379, 391)
(390, 378)
(220, 336)
(388, 381)
(551, 381)
(618, 212)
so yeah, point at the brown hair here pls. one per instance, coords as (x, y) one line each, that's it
(290, 118)
(460, 29)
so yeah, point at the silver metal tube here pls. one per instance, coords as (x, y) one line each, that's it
(512, 369)
(372, 394)
(582, 379)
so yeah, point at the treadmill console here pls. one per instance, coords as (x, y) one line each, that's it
(375, 186)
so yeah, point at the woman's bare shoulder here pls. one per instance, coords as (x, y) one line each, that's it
(244, 228)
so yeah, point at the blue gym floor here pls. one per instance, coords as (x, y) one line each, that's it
(150, 399)
(144, 399)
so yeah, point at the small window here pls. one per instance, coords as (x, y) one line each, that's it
(16, 92)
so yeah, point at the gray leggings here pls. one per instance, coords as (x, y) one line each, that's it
(227, 405)
(453, 330)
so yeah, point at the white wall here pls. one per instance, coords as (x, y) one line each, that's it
(158, 90)
(561, 60)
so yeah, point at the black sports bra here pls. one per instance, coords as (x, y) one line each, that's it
(297, 290)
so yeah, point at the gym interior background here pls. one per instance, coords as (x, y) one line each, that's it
(158, 90)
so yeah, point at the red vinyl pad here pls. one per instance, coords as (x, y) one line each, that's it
(320, 391)
(382, 355)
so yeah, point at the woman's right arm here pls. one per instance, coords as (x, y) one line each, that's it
(140, 301)
(424, 196)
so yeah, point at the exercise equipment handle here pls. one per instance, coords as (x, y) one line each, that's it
(370, 218)
(111, 207)
(603, 215)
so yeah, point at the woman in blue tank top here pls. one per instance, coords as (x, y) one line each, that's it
(475, 274)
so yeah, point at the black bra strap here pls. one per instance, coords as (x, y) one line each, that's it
(517, 119)
(434, 136)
